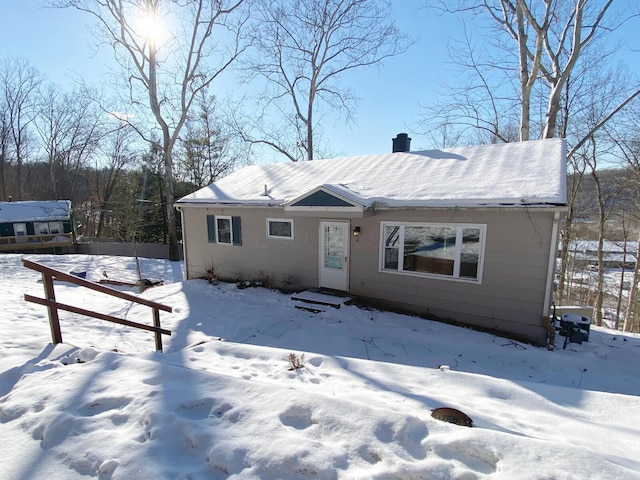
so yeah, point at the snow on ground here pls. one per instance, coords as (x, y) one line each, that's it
(221, 402)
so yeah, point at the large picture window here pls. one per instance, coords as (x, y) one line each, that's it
(280, 228)
(427, 249)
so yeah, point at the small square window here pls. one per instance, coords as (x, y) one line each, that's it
(280, 228)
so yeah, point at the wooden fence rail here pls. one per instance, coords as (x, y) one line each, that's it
(49, 274)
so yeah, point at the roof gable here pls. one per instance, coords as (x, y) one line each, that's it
(320, 198)
(521, 173)
(326, 198)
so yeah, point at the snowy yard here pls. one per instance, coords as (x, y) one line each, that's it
(221, 402)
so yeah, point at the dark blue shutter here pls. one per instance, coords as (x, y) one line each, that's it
(237, 230)
(211, 228)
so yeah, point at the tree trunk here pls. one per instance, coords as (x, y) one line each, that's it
(633, 293)
(310, 133)
(621, 286)
(602, 219)
(100, 226)
(600, 283)
(564, 259)
(3, 156)
(18, 193)
(525, 93)
(167, 150)
(172, 226)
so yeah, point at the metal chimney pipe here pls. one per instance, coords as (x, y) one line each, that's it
(402, 143)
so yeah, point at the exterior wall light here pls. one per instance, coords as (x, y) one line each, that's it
(356, 232)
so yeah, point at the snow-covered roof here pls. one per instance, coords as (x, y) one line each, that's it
(591, 246)
(34, 211)
(523, 173)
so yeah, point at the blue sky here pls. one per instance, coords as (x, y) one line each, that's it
(59, 44)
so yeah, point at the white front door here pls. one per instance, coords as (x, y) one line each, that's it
(334, 255)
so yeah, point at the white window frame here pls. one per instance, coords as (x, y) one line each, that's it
(279, 220)
(56, 226)
(41, 228)
(230, 220)
(457, 254)
(20, 229)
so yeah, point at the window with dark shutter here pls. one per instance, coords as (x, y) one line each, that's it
(224, 230)
(236, 228)
(211, 228)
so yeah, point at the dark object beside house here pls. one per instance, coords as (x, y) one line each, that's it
(575, 328)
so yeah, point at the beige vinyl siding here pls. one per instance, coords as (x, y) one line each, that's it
(512, 288)
(259, 257)
(509, 296)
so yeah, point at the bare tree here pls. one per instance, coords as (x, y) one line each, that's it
(561, 30)
(629, 151)
(117, 155)
(19, 83)
(70, 126)
(4, 144)
(303, 47)
(625, 257)
(169, 70)
(480, 106)
(578, 168)
(544, 43)
(587, 101)
(605, 202)
(631, 312)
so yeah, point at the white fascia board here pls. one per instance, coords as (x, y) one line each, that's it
(324, 209)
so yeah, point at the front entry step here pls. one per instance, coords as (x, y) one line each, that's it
(307, 307)
(315, 301)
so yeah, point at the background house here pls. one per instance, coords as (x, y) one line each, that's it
(35, 225)
(616, 254)
(466, 235)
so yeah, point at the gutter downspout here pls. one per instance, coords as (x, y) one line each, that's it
(553, 250)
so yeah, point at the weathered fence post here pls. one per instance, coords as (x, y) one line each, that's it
(54, 321)
(156, 323)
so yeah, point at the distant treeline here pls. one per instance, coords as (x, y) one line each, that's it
(621, 197)
(133, 210)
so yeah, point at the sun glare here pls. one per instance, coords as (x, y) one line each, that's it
(151, 27)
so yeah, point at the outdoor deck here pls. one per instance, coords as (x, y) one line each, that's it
(35, 242)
